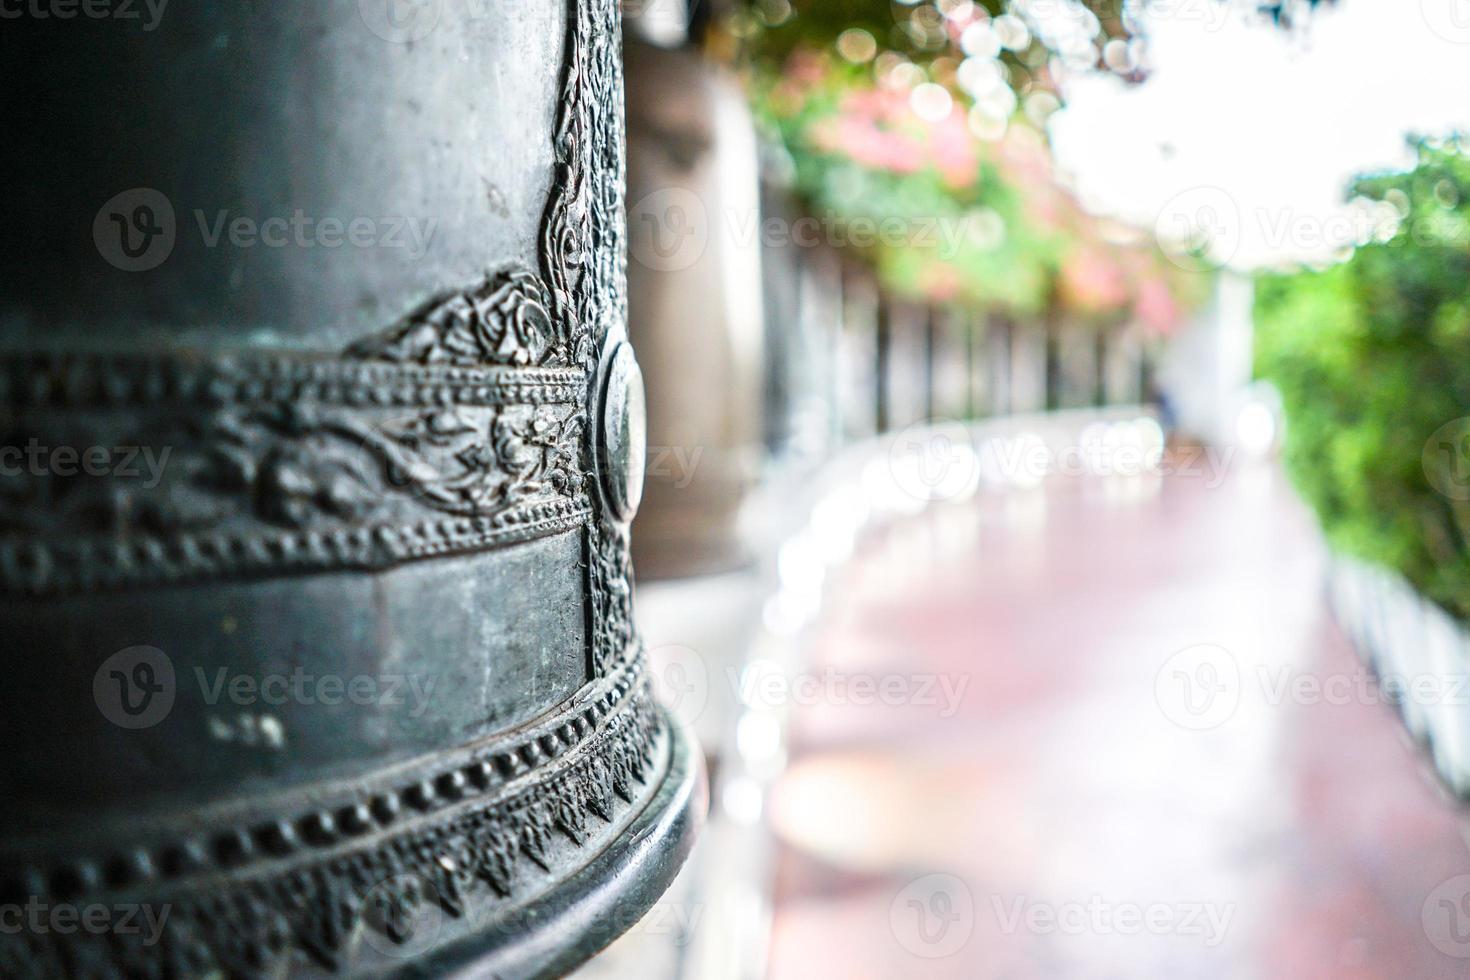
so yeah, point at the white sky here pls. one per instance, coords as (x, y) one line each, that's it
(1265, 128)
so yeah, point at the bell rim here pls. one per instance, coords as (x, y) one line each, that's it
(618, 884)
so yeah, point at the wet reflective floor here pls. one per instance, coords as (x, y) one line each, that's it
(1106, 730)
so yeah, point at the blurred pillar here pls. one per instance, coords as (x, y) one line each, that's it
(803, 332)
(819, 324)
(1000, 339)
(930, 326)
(950, 365)
(1028, 368)
(882, 367)
(781, 284)
(1122, 367)
(978, 393)
(859, 353)
(1148, 384)
(1053, 371)
(907, 364)
(694, 292)
(1076, 365)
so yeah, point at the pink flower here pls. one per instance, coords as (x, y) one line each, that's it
(868, 145)
(1156, 307)
(1092, 280)
(878, 129)
(805, 67)
(954, 152)
(940, 282)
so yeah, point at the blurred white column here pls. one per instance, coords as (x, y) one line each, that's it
(1208, 365)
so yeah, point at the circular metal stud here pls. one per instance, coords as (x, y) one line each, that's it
(623, 434)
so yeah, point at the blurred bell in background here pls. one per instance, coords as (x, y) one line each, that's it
(694, 293)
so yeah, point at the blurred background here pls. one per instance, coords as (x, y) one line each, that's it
(1058, 489)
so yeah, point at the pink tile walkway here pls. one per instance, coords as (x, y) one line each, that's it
(1090, 833)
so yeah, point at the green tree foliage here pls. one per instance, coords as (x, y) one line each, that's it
(1372, 357)
(917, 29)
(942, 157)
(925, 30)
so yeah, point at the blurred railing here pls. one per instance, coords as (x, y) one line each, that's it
(848, 360)
(1407, 642)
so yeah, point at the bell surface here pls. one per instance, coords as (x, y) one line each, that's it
(320, 442)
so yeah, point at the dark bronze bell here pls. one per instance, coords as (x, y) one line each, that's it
(320, 440)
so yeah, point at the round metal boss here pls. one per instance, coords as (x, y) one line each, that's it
(624, 433)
